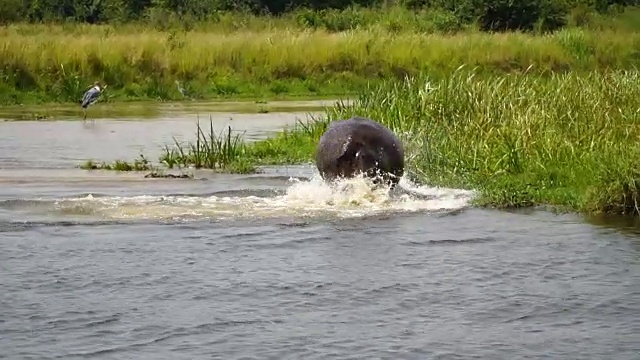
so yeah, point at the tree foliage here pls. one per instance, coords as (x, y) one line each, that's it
(490, 15)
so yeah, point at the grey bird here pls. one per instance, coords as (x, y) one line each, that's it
(181, 89)
(91, 96)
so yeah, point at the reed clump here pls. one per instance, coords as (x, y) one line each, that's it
(41, 63)
(566, 140)
(217, 151)
(221, 152)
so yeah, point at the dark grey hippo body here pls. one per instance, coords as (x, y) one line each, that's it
(360, 145)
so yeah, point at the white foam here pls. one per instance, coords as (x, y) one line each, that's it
(354, 197)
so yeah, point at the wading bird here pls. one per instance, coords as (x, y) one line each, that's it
(182, 90)
(91, 96)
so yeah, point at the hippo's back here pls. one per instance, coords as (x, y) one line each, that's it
(364, 132)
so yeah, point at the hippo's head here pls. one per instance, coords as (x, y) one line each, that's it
(374, 165)
(365, 161)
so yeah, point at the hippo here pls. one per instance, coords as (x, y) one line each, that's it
(360, 145)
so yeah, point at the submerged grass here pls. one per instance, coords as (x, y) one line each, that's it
(44, 63)
(566, 140)
(141, 164)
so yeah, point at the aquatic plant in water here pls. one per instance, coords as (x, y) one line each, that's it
(141, 164)
(222, 151)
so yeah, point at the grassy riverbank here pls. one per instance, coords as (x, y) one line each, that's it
(565, 140)
(254, 57)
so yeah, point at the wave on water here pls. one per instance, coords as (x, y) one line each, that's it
(347, 198)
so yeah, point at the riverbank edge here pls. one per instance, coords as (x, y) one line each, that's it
(134, 110)
(297, 146)
(501, 185)
(259, 94)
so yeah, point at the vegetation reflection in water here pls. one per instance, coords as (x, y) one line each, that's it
(565, 140)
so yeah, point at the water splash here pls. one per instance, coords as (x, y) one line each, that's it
(355, 197)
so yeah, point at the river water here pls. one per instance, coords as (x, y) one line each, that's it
(277, 265)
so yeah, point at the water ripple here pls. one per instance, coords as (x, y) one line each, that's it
(310, 273)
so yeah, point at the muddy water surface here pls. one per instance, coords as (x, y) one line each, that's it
(278, 265)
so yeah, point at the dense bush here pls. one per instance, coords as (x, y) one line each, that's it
(490, 15)
(522, 14)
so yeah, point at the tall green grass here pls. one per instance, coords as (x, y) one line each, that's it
(41, 63)
(570, 141)
(222, 151)
(567, 140)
